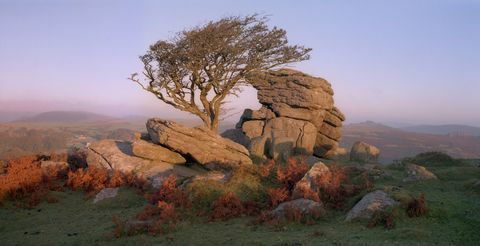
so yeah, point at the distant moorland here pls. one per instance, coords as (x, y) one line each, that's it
(59, 130)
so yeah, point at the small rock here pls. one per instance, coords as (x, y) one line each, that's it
(105, 193)
(364, 152)
(305, 206)
(417, 173)
(308, 181)
(370, 203)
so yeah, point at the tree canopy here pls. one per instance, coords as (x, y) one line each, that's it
(199, 67)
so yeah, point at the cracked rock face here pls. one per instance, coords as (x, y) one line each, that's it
(200, 144)
(138, 158)
(295, 106)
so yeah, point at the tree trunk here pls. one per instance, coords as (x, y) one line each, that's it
(214, 124)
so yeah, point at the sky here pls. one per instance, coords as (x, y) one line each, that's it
(397, 62)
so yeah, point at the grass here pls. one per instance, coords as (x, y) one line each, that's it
(452, 219)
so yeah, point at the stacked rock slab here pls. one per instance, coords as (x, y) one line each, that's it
(121, 156)
(296, 108)
(200, 144)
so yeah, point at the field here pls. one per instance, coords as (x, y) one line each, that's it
(452, 219)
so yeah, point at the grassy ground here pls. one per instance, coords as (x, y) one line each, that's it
(453, 219)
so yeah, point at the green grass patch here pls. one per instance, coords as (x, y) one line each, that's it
(452, 217)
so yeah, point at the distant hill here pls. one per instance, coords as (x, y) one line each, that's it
(397, 143)
(65, 117)
(445, 129)
(8, 116)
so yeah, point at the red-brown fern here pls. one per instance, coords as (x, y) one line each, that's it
(227, 206)
(417, 207)
(293, 171)
(169, 192)
(277, 196)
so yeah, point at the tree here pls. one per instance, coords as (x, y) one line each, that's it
(197, 69)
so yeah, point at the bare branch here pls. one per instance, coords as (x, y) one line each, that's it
(207, 63)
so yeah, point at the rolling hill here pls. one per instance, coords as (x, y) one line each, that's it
(445, 129)
(397, 143)
(65, 117)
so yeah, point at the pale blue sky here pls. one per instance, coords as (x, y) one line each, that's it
(389, 61)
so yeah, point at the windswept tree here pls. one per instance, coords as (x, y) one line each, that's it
(198, 68)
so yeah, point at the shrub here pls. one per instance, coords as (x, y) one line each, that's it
(90, 180)
(417, 207)
(27, 183)
(117, 179)
(277, 196)
(167, 213)
(265, 217)
(295, 214)
(148, 212)
(293, 171)
(170, 193)
(94, 179)
(431, 159)
(266, 169)
(77, 158)
(159, 219)
(246, 185)
(23, 175)
(119, 226)
(204, 193)
(252, 208)
(137, 182)
(332, 187)
(307, 193)
(227, 206)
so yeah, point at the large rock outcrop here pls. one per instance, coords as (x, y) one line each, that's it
(200, 144)
(294, 106)
(118, 155)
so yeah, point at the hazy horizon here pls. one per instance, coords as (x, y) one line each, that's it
(405, 62)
